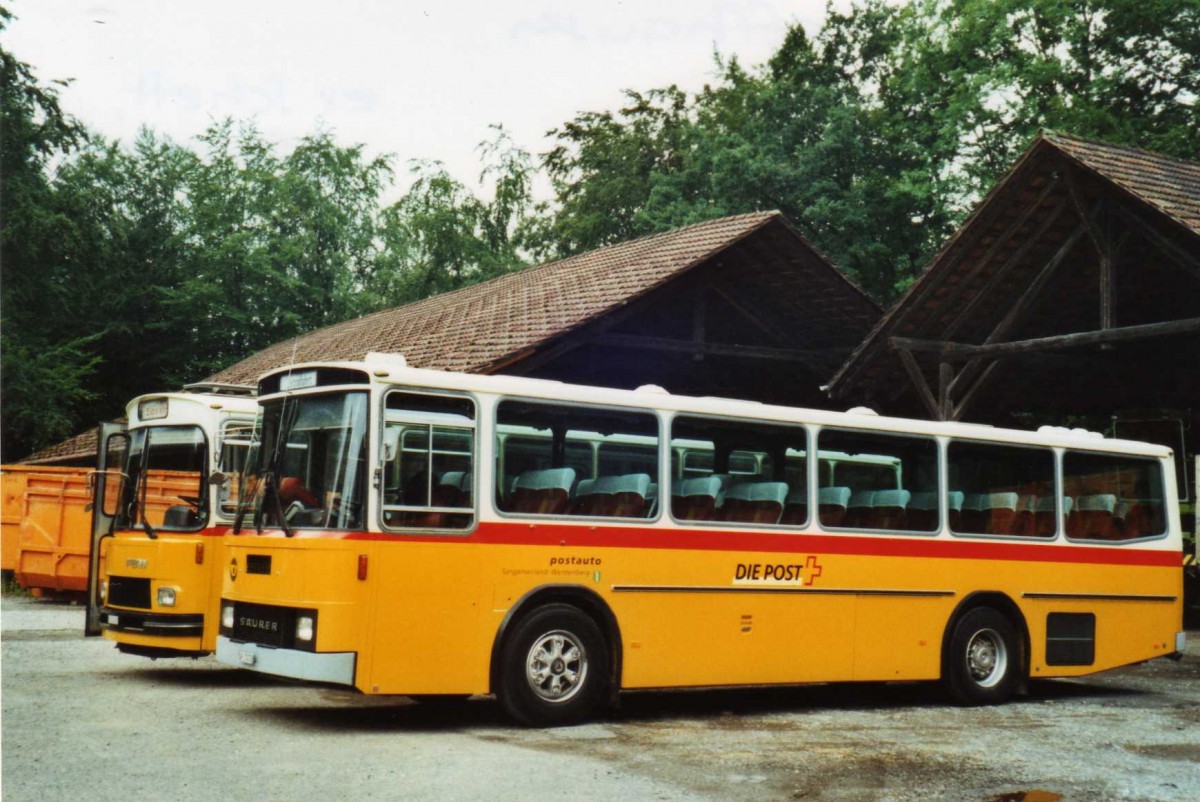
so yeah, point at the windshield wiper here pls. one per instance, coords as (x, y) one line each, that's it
(273, 489)
(150, 533)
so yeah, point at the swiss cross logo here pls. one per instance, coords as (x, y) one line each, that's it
(812, 569)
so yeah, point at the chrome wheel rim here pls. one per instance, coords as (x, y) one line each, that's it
(987, 658)
(556, 666)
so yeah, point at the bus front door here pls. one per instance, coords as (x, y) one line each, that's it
(107, 490)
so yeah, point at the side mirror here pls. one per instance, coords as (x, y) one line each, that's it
(218, 478)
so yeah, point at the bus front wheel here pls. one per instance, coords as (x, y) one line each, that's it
(983, 659)
(554, 667)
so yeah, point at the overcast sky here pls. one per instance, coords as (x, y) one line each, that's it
(411, 79)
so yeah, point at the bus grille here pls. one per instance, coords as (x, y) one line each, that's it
(127, 591)
(264, 624)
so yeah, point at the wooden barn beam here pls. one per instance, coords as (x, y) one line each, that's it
(961, 407)
(707, 348)
(945, 378)
(968, 311)
(1004, 236)
(757, 319)
(918, 380)
(953, 350)
(1031, 295)
(1093, 231)
(1173, 251)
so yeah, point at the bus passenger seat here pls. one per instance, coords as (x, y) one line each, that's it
(652, 500)
(1095, 517)
(889, 509)
(755, 502)
(180, 516)
(795, 507)
(726, 481)
(831, 505)
(923, 511)
(696, 499)
(613, 496)
(955, 500)
(1139, 519)
(545, 492)
(1045, 516)
(1023, 521)
(859, 509)
(1000, 510)
(989, 513)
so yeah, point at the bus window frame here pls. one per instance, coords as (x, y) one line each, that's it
(1163, 484)
(378, 484)
(1060, 518)
(320, 391)
(738, 525)
(939, 469)
(222, 433)
(494, 426)
(144, 483)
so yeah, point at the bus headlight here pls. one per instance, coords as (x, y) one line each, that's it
(227, 615)
(103, 590)
(166, 597)
(304, 628)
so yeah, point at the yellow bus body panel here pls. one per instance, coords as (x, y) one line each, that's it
(169, 561)
(427, 616)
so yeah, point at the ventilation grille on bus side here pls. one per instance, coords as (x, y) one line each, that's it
(258, 564)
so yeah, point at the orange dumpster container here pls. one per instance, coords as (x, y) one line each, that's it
(14, 479)
(56, 527)
(55, 532)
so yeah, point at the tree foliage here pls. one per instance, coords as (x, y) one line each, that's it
(876, 136)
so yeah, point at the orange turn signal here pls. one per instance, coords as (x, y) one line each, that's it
(199, 554)
(362, 566)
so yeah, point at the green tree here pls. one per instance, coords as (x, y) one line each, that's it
(441, 236)
(42, 373)
(993, 72)
(604, 165)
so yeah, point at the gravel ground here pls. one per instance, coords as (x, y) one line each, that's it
(81, 721)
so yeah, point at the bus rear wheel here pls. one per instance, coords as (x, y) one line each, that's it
(983, 659)
(554, 667)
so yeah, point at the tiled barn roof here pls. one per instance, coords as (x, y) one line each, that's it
(1170, 185)
(477, 327)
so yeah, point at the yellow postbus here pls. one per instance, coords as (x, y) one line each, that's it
(165, 494)
(421, 533)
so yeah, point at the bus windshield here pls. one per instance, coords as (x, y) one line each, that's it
(166, 466)
(310, 460)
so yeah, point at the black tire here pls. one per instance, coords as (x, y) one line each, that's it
(554, 667)
(983, 660)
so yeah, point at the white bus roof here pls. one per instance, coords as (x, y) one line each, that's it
(391, 370)
(186, 408)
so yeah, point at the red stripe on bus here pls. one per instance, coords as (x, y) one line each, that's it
(632, 537)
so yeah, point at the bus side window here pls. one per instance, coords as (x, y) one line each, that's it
(873, 479)
(740, 472)
(1115, 498)
(574, 460)
(1006, 490)
(428, 475)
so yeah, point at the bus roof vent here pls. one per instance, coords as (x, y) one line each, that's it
(388, 360)
(653, 388)
(861, 411)
(220, 388)
(1078, 434)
